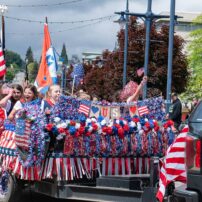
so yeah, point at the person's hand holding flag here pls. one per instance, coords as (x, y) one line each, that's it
(140, 71)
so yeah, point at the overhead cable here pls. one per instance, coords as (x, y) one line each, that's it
(60, 22)
(43, 5)
(59, 31)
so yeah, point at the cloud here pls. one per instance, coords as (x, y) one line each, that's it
(96, 37)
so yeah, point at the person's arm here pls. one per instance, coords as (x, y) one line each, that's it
(12, 114)
(135, 96)
(17, 106)
(4, 100)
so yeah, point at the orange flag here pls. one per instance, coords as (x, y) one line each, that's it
(48, 67)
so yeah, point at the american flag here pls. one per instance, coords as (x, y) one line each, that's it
(84, 107)
(23, 130)
(173, 167)
(78, 72)
(2, 63)
(143, 110)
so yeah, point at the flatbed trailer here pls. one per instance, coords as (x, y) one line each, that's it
(128, 188)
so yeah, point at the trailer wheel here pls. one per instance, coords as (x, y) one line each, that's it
(14, 191)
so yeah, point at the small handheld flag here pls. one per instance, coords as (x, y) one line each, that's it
(143, 110)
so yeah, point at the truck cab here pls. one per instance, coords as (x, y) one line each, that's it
(193, 191)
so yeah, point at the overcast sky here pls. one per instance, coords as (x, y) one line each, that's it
(93, 38)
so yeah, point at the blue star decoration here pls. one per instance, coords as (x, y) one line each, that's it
(44, 78)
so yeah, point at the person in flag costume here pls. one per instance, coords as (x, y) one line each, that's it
(47, 71)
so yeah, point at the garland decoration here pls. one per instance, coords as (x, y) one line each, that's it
(90, 137)
(30, 138)
(67, 107)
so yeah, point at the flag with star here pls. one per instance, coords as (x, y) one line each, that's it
(48, 67)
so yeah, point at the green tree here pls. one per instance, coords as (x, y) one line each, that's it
(29, 55)
(195, 63)
(32, 71)
(64, 55)
(14, 59)
(10, 74)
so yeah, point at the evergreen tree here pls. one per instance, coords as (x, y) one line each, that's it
(29, 55)
(64, 55)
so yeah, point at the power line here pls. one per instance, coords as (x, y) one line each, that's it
(61, 22)
(60, 31)
(44, 5)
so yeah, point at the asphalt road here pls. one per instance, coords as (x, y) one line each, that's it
(29, 196)
(33, 197)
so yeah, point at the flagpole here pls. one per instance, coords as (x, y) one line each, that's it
(3, 34)
(3, 9)
(73, 84)
(46, 21)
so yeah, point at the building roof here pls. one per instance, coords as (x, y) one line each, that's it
(186, 16)
(91, 53)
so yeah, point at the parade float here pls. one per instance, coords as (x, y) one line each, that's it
(82, 139)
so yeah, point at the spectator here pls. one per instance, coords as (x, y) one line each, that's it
(175, 110)
(194, 103)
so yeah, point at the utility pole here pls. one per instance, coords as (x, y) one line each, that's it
(170, 55)
(125, 47)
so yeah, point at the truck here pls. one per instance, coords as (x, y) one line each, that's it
(192, 192)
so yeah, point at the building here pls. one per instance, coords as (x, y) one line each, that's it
(184, 24)
(89, 57)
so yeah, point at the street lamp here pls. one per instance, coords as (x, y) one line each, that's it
(121, 21)
(149, 16)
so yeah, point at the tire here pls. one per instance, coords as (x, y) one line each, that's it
(14, 191)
